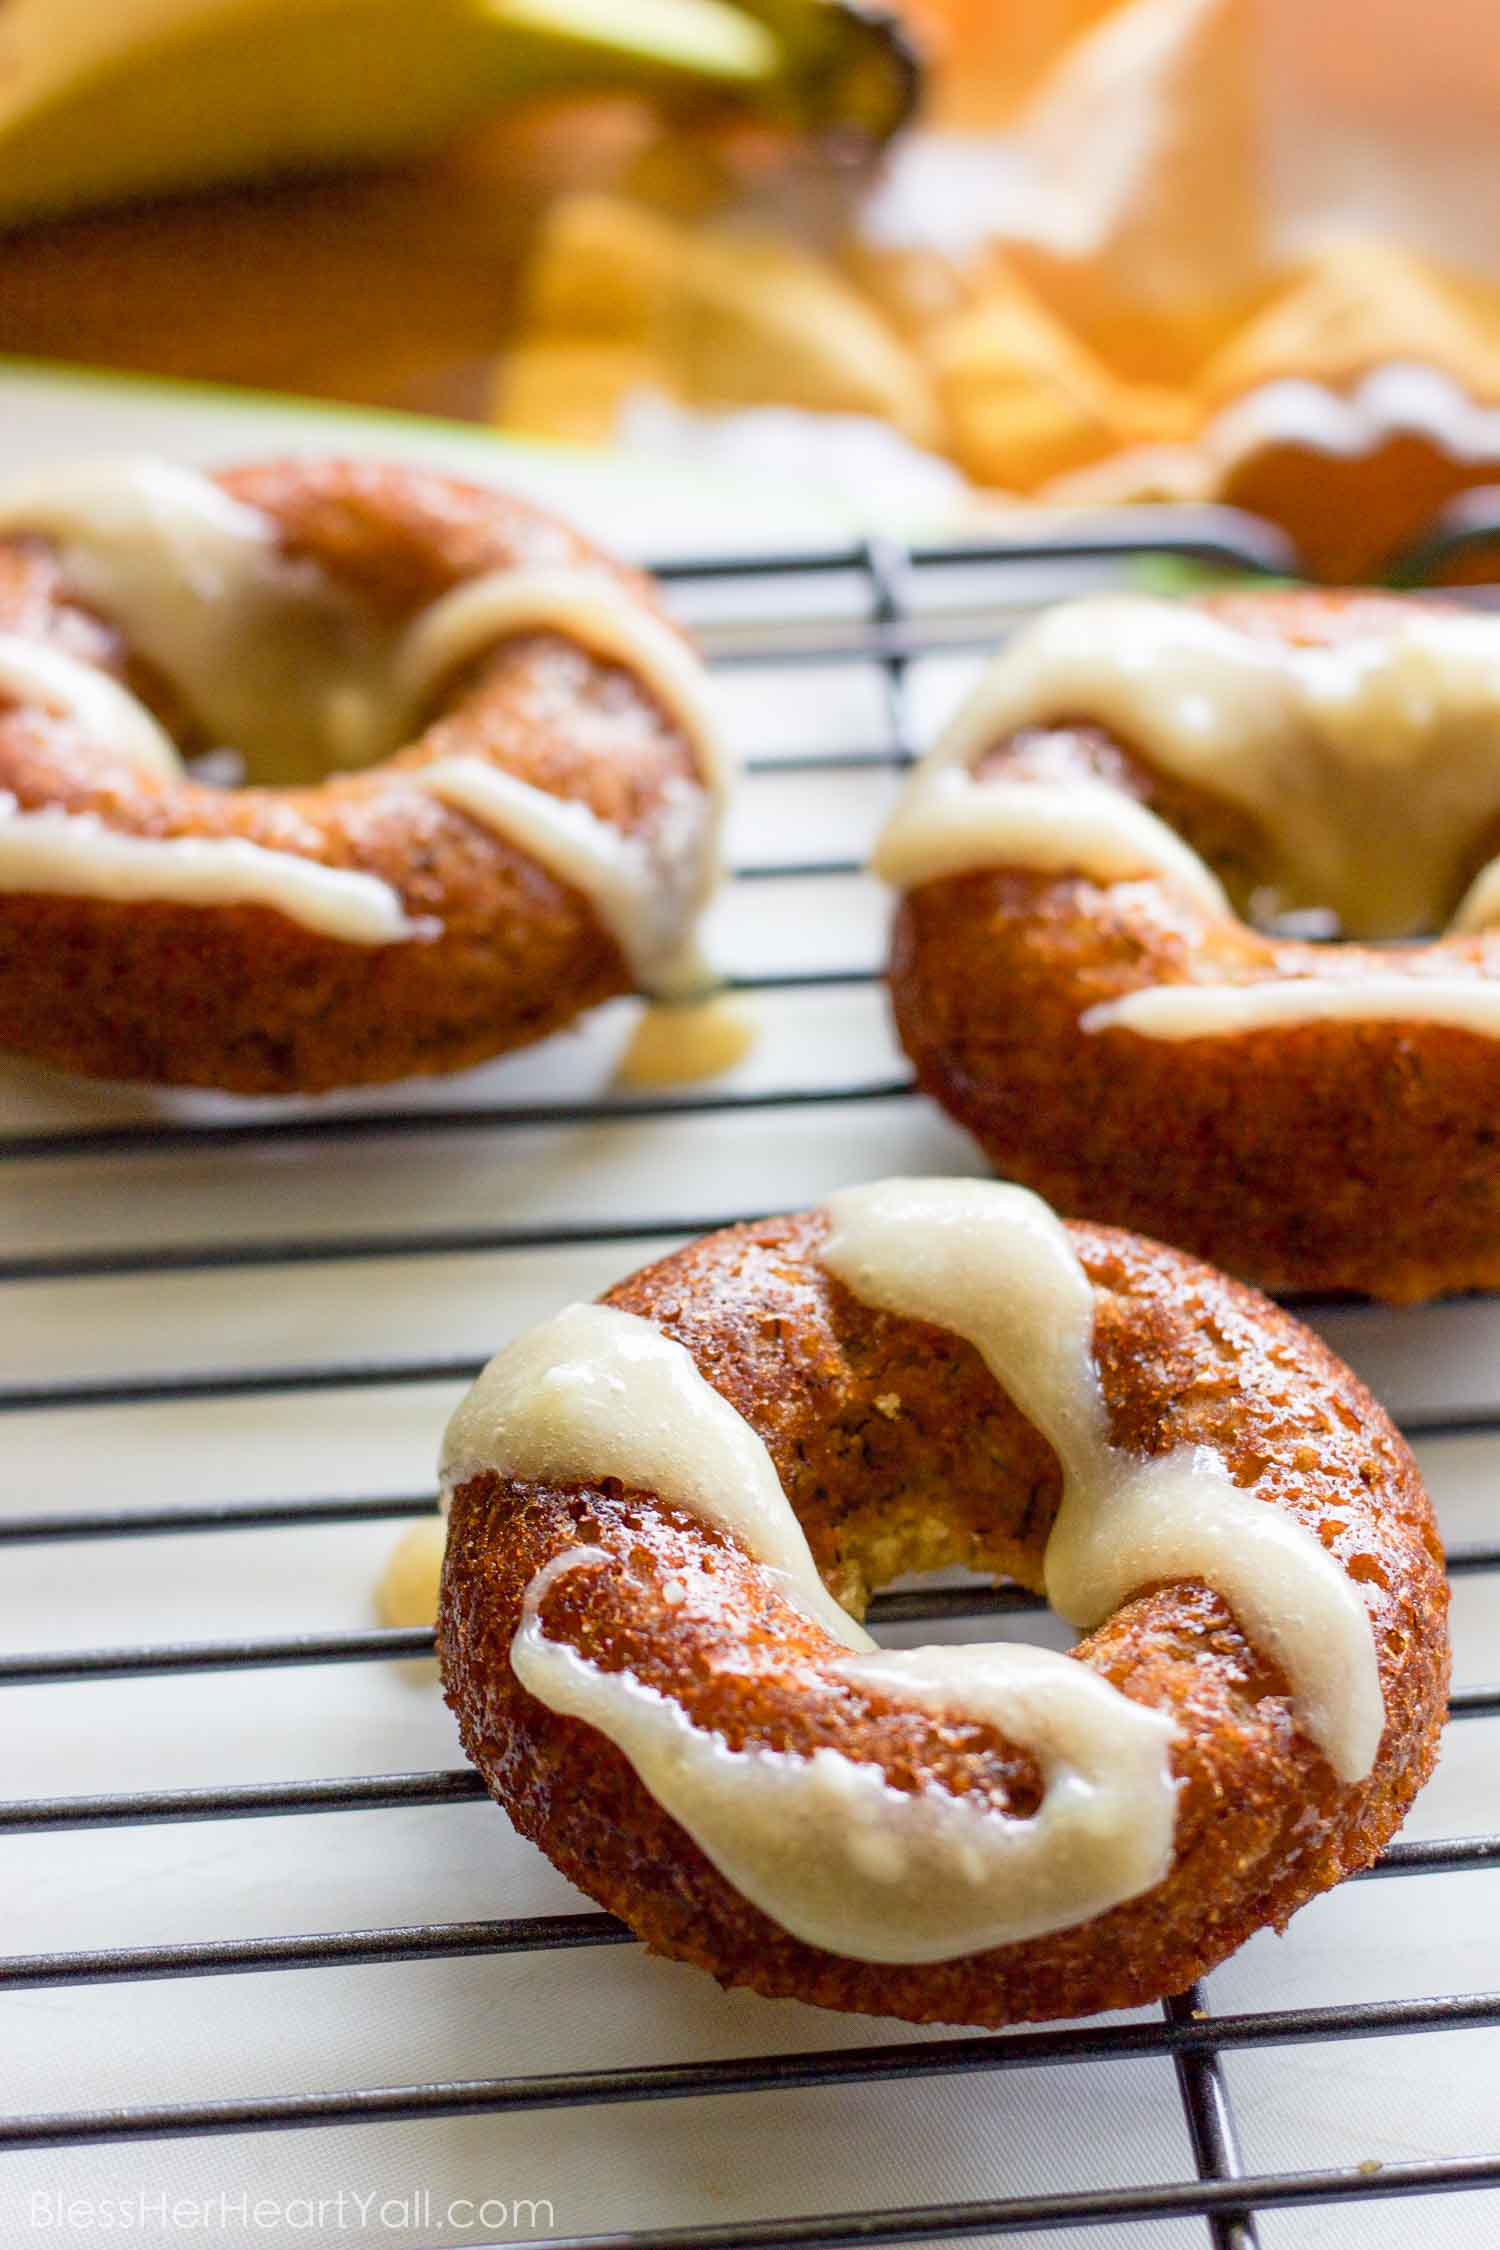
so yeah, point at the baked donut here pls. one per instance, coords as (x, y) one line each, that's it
(667, 1509)
(483, 791)
(1117, 866)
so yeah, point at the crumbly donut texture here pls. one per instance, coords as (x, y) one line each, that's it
(898, 1451)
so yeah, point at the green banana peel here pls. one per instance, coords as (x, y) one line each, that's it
(102, 103)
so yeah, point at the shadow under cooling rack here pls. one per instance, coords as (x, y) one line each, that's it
(904, 606)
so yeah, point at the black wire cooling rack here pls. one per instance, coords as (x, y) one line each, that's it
(890, 626)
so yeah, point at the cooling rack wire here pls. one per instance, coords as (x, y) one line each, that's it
(846, 633)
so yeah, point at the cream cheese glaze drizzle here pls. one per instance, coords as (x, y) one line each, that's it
(995, 1265)
(588, 606)
(647, 889)
(596, 1392)
(826, 1847)
(1403, 725)
(1371, 768)
(32, 672)
(951, 824)
(824, 1844)
(76, 856)
(274, 656)
(1222, 1011)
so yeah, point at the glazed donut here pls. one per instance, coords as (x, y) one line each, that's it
(1116, 868)
(667, 1509)
(483, 791)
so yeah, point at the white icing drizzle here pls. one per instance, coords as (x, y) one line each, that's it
(993, 1264)
(596, 1392)
(585, 604)
(35, 673)
(824, 1844)
(1227, 1011)
(950, 824)
(646, 889)
(1370, 768)
(76, 856)
(276, 658)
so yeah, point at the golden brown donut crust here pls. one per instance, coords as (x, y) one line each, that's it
(1327, 1156)
(240, 997)
(898, 1451)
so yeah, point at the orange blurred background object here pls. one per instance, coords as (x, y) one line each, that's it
(991, 54)
(1128, 231)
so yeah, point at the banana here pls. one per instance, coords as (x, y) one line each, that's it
(99, 102)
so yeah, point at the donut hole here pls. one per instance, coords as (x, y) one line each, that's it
(948, 1496)
(261, 665)
(1372, 791)
(305, 693)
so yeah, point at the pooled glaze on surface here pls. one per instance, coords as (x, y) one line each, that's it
(676, 1042)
